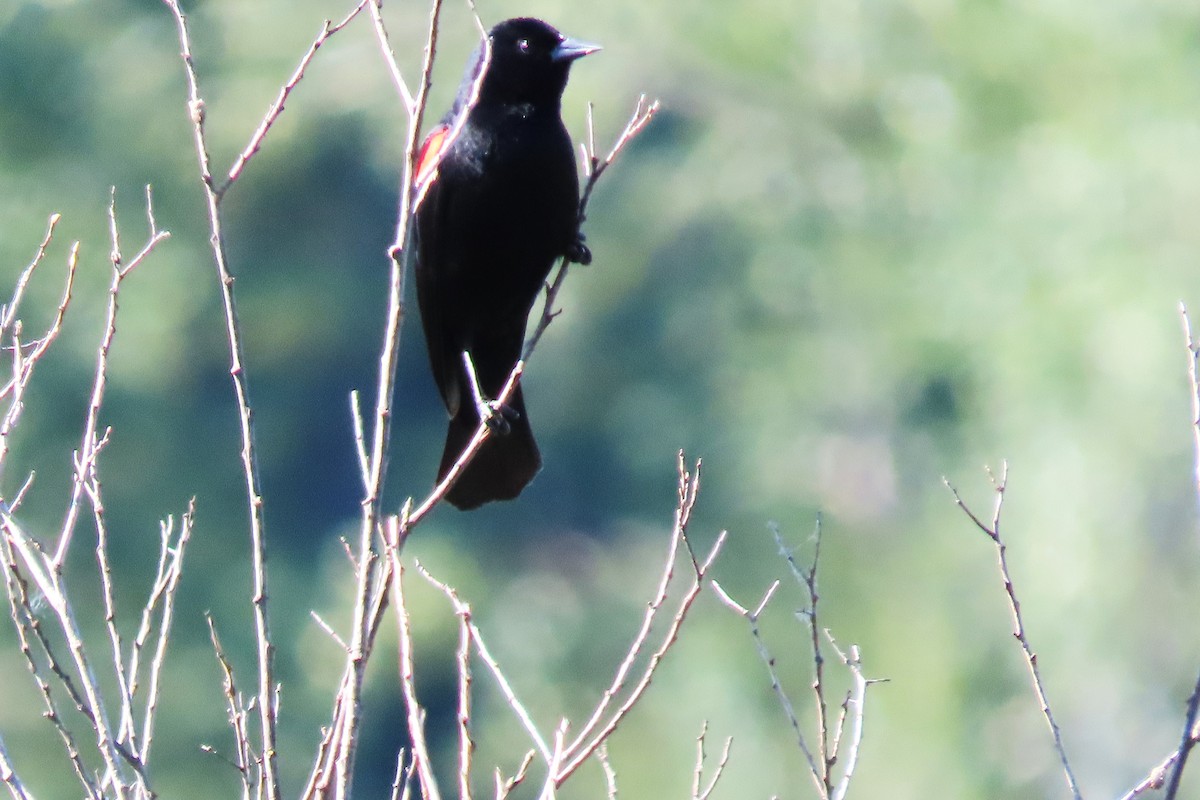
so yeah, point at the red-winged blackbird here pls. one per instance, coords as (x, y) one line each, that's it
(499, 206)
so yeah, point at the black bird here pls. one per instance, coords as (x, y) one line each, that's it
(498, 205)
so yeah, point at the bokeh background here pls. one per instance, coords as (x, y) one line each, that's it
(865, 246)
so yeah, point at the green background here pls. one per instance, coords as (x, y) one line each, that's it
(866, 245)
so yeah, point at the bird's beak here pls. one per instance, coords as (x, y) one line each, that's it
(570, 49)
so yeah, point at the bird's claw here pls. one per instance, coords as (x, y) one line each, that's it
(578, 252)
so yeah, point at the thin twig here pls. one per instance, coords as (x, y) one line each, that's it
(808, 578)
(556, 760)
(489, 660)
(385, 46)
(582, 748)
(86, 456)
(327, 29)
(416, 714)
(468, 454)
(822, 767)
(698, 770)
(992, 530)
(857, 702)
(8, 775)
(324, 764)
(87, 480)
(768, 660)
(268, 713)
(26, 623)
(1171, 768)
(1153, 781)
(1187, 743)
(337, 744)
(8, 312)
(23, 365)
(699, 790)
(610, 774)
(402, 782)
(125, 728)
(465, 636)
(683, 514)
(48, 581)
(168, 592)
(237, 714)
(329, 631)
(19, 497)
(1194, 384)
(1189, 737)
(360, 439)
(594, 167)
(166, 535)
(361, 639)
(504, 786)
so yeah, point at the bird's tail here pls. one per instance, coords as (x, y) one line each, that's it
(502, 467)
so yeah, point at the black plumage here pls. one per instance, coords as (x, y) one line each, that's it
(499, 205)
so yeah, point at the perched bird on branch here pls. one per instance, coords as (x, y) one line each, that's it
(497, 206)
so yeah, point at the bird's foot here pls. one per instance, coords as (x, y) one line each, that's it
(578, 252)
(497, 416)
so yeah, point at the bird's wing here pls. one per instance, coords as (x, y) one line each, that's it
(430, 264)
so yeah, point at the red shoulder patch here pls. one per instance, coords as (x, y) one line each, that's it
(432, 150)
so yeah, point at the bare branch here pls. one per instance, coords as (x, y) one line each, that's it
(360, 439)
(1194, 384)
(808, 578)
(328, 28)
(486, 656)
(389, 57)
(329, 631)
(22, 364)
(683, 514)
(699, 790)
(466, 633)
(416, 714)
(166, 589)
(1190, 731)
(125, 728)
(26, 622)
(582, 747)
(505, 786)
(992, 530)
(238, 714)
(48, 581)
(855, 706)
(465, 745)
(768, 660)
(268, 711)
(594, 167)
(8, 312)
(8, 776)
(368, 587)
(610, 775)
(402, 782)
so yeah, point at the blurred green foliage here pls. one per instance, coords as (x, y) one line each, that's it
(865, 246)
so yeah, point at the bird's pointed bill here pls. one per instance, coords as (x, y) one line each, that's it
(570, 49)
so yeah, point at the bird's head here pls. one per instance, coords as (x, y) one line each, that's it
(528, 61)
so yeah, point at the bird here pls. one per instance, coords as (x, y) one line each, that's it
(497, 205)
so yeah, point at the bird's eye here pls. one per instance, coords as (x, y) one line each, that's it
(523, 45)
